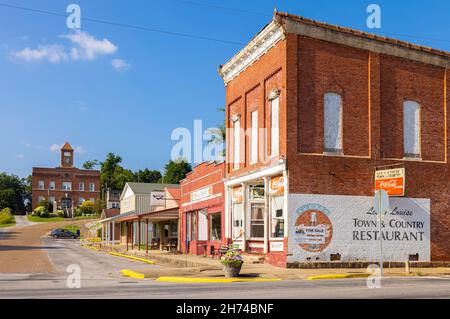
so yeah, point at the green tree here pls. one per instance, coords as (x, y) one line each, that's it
(220, 132)
(109, 169)
(175, 171)
(12, 193)
(121, 177)
(147, 176)
(91, 164)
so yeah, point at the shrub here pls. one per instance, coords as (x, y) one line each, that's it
(99, 233)
(6, 217)
(78, 212)
(40, 211)
(60, 213)
(87, 208)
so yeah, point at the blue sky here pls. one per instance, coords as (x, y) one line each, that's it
(55, 87)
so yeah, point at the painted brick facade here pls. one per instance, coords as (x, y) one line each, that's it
(202, 190)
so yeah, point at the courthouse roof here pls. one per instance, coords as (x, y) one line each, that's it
(67, 147)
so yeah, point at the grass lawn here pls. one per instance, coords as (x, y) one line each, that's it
(37, 219)
(7, 225)
(72, 228)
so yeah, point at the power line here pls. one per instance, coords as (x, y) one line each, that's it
(198, 3)
(123, 25)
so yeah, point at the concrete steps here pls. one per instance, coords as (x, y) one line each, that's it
(251, 258)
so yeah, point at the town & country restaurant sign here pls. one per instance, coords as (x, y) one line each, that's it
(321, 225)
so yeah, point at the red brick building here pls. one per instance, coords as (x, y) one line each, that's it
(201, 210)
(313, 109)
(66, 185)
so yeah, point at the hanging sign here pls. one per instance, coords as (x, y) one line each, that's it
(277, 186)
(391, 180)
(237, 195)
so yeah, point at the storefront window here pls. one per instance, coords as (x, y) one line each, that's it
(277, 229)
(257, 192)
(257, 220)
(194, 227)
(215, 227)
(173, 229)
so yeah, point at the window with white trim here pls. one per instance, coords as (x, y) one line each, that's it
(274, 126)
(254, 138)
(411, 129)
(81, 186)
(67, 186)
(333, 123)
(237, 143)
(52, 185)
(91, 187)
(41, 185)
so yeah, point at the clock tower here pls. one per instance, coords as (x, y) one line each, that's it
(67, 156)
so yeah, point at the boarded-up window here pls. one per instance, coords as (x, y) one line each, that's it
(274, 130)
(237, 144)
(254, 138)
(333, 123)
(411, 129)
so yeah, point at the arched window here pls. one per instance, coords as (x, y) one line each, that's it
(411, 129)
(333, 123)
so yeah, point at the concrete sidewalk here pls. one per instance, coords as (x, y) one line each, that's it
(206, 267)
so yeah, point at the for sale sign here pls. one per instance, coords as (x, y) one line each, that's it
(391, 180)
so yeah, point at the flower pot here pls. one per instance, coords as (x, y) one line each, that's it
(232, 271)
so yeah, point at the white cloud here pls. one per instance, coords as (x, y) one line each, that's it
(84, 46)
(20, 156)
(57, 147)
(79, 149)
(120, 65)
(53, 53)
(87, 47)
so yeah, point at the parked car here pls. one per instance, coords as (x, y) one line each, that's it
(54, 231)
(64, 233)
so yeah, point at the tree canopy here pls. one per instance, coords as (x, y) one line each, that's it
(13, 193)
(175, 171)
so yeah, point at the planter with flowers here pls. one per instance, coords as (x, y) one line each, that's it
(232, 263)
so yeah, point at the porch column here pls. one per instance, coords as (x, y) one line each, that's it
(126, 233)
(103, 234)
(244, 216)
(132, 235)
(266, 214)
(161, 236)
(146, 239)
(139, 234)
(114, 233)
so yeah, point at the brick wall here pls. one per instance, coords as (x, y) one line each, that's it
(373, 87)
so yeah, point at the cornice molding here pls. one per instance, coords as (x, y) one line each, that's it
(261, 43)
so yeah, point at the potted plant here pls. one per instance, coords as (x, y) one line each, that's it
(232, 263)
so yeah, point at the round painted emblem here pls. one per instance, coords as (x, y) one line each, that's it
(313, 228)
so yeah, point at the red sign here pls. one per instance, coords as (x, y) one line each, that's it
(391, 180)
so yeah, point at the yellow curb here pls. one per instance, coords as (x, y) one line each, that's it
(132, 257)
(91, 247)
(338, 276)
(132, 274)
(213, 280)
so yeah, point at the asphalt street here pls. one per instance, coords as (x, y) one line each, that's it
(101, 278)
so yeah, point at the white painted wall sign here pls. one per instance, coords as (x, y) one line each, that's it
(320, 225)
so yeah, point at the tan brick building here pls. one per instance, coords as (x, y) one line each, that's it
(66, 185)
(312, 110)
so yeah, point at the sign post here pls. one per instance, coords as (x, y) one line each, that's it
(381, 205)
